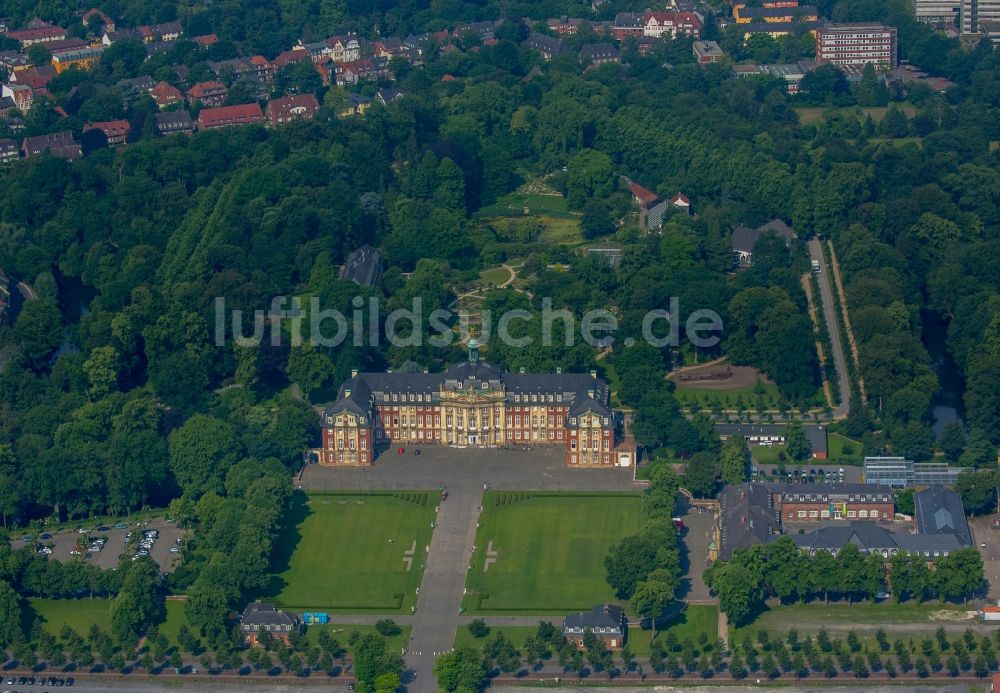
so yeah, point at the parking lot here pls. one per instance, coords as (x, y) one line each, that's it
(66, 544)
(817, 473)
(984, 533)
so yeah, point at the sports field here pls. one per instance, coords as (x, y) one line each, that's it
(547, 551)
(349, 552)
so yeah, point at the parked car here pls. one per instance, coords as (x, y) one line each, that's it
(45, 536)
(103, 528)
(174, 549)
(120, 525)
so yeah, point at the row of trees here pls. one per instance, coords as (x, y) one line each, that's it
(781, 570)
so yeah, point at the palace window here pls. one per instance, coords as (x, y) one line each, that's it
(364, 443)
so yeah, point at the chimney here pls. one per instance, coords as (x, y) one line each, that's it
(347, 392)
(593, 374)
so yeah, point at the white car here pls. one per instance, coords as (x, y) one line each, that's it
(174, 549)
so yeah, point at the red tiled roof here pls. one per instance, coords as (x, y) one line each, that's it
(679, 198)
(205, 88)
(644, 196)
(111, 128)
(35, 34)
(230, 115)
(206, 40)
(288, 57)
(164, 92)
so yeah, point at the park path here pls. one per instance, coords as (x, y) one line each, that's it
(440, 600)
(838, 282)
(830, 315)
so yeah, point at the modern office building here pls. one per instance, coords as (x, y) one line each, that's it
(940, 13)
(857, 43)
(899, 472)
(977, 13)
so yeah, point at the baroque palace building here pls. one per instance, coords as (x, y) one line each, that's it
(473, 404)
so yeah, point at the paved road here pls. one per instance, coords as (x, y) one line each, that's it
(830, 315)
(694, 558)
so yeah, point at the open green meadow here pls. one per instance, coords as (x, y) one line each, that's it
(549, 551)
(78, 614)
(839, 445)
(811, 115)
(348, 552)
(342, 632)
(689, 625)
(537, 204)
(749, 396)
(899, 620)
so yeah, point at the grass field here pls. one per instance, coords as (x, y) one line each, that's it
(836, 443)
(696, 619)
(560, 231)
(536, 204)
(78, 614)
(899, 620)
(550, 551)
(345, 552)
(342, 632)
(763, 454)
(809, 115)
(688, 395)
(516, 634)
(495, 275)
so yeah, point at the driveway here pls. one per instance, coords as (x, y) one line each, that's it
(695, 539)
(830, 316)
(983, 533)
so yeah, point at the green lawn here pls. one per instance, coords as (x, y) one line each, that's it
(762, 454)
(341, 632)
(537, 204)
(495, 275)
(809, 115)
(516, 634)
(836, 443)
(562, 231)
(345, 552)
(176, 618)
(696, 619)
(550, 551)
(78, 614)
(864, 618)
(687, 395)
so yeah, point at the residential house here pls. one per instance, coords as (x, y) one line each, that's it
(173, 123)
(779, 29)
(12, 61)
(4, 25)
(21, 94)
(228, 116)
(37, 23)
(598, 54)
(116, 131)
(166, 95)
(606, 622)
(82, 59)
(58, 144)
(206, 40)
(751, 15)
(37, 78)
(357, 104)
(137, 86)
(106, 22)
(706, 52)
(744, 239)
(344, 49)
(671, 24)
(43, 34)
(154, 48)
(232, 71)
(7, 106)
(262, 622)
(547, 46)
(564, 26)
(318, 50)
(264, 68)
(484, 31)
(363, 266)
(289, 108)
(8, 151)
(858, 44)
(209, 94)
(387, 47)
(168, 31)
(768, 435)
(295, 55)
(388, 96)
(628, 24)
(111, 36)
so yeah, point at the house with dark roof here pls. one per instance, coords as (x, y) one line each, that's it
(388, 96)
(473, 404)
(598, 54)
(939, 511)
(363, 266)
(173, 123)
(747, 516)
(356, 105)
(136, 86)
(262, 622)
(229, 116)
(768, 435)
(8, 151)
(547, 46)
(871, 538)
(58, 144)
(744, 239)
(606, 622)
